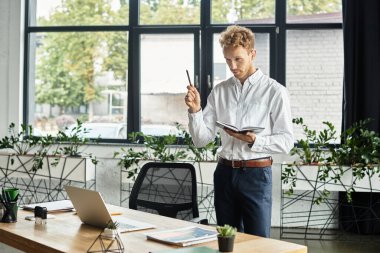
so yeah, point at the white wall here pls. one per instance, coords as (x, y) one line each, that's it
(11, 54)
(10, 69)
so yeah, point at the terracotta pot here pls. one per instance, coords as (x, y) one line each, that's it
(226, 244)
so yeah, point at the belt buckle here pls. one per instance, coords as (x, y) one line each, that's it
(233, 164)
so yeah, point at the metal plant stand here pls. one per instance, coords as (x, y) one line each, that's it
(103, 244)
(309, 214)
(46, 184)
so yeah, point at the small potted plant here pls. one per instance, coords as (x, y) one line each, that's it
(110, 231)
(226, 237)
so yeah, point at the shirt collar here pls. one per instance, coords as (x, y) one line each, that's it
(252, 79)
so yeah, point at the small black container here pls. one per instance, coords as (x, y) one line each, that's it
(226, 243)
(10, 212)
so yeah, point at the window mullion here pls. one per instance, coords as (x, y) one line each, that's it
(134, 100)
(280, 41)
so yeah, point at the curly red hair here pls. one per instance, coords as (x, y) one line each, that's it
(236, 36)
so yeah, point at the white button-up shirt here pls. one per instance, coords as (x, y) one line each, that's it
(260, 102)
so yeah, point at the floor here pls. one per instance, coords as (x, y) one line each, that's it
(369, 244)
(6, 249)
(350, 244)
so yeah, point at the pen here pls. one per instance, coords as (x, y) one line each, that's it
(116, 213)
(188, 77)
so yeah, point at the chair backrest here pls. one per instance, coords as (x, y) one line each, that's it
(168, 189)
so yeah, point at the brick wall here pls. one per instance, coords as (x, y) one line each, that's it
(315, 76)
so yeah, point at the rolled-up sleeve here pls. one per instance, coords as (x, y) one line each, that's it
(202, 124)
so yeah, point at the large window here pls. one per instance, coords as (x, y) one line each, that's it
(311, 11)
(163, 80)
(169, 12)
(75, 12)
(119, 66)
(243, 11)
(77, 75)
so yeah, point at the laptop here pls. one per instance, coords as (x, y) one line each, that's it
(92, 210)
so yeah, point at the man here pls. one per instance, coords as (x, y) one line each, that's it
(243, 176)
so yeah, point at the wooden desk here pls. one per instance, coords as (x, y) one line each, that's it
(66, 233)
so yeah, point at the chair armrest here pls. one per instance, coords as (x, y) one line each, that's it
(199, 221)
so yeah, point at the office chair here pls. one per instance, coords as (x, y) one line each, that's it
(168, 189)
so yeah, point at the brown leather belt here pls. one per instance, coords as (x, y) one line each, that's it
(256, 163)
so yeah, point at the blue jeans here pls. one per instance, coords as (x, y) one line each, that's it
(243, 198)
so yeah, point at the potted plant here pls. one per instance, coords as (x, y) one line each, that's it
(153, 148)
(226, 238)
(313, 152)
(110, 231)
(170, 148)
(346, 164)
(24, 143)
(44, 160)
(322, 167)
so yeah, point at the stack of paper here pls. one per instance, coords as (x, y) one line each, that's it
(54, 206)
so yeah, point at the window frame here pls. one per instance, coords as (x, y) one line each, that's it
(203, 42)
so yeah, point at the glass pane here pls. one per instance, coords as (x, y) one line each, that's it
(164, 60)
(78, 12)
(314, 11)
(315, 77)
(81, 76)
(242, 11)
(169, 12)
(221, 70)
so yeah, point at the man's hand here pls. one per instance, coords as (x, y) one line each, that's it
(193, 99)
(249, 137)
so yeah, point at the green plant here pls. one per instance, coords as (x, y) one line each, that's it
(68, 144)
(207, 153)
(360, 146)
(129, 160)
(314, 148)
(25, 143)
(226, 230)
(169, 148)
(21, 143)
(153, 148)
(160, 148)
(359, 149)
(112, 224)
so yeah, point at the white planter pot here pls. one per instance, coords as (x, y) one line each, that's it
(77, 169)
(109, 233)
(307, 179)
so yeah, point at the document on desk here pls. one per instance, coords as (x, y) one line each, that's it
(184, 236)
(202, 249)
(53, 206)
(127, 225)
